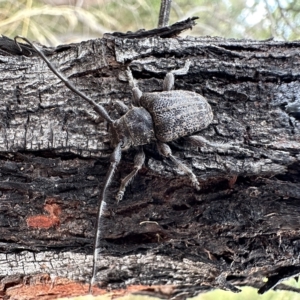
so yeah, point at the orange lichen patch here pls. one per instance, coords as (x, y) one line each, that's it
(45, 222)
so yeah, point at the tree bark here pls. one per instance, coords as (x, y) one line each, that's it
(164, 238)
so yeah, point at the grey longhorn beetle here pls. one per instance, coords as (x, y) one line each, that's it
(157, 117)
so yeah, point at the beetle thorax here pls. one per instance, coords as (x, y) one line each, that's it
(135, 128)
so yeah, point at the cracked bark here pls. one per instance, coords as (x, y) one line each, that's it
(167, 237)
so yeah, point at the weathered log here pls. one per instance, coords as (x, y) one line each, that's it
(167, 237)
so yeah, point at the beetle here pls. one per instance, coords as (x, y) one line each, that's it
(156, 117)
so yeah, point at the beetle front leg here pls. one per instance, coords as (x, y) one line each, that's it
(139, 160)
(169, 79)
(121, 107)
(166, 151)
(93, 118)
(136, 92)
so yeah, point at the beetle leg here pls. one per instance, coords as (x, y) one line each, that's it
(169, 79)
(136, 92)
(93, 118)
(121, 107)
(168, 82)
(166, 151)
(139, 160)
(114, 161)
(200, 141)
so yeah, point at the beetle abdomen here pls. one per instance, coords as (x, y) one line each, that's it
(177, 113)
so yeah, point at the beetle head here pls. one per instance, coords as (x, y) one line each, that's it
(135, 128)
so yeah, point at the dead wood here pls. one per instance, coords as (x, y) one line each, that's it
(173, 240)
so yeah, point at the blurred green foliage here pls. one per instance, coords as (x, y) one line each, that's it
(53, 22)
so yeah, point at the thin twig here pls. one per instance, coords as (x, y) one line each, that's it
(164, 13)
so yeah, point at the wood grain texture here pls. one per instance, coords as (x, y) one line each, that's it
(241, 225)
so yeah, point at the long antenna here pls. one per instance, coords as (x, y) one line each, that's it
(98, 108)
(114, 160)
(97, 244)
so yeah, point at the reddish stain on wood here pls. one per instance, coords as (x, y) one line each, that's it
(46, 221)
(41, 287)
(48, 290)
